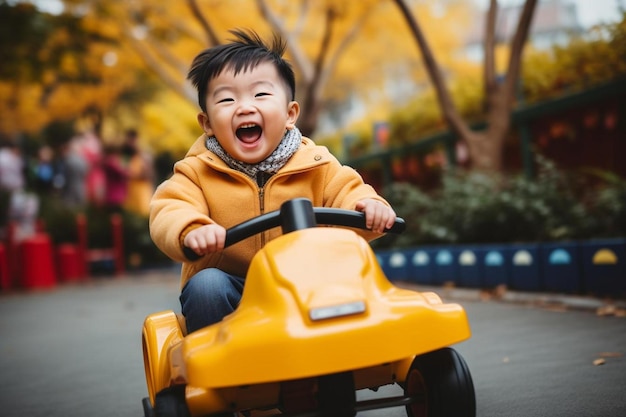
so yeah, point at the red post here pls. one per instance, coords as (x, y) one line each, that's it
(12, 254)
(115, 253)
(37, 262)
(83, 250)
(70, 263)
(5, 278)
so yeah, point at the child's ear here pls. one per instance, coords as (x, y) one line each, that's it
(203, 121)
(293, 111)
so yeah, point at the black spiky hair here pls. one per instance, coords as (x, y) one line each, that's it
(245, 51)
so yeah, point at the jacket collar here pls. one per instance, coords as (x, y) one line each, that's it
(306, 157)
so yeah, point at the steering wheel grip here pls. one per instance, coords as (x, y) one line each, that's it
(294, 215)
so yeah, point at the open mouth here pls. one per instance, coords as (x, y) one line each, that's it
(249, 133)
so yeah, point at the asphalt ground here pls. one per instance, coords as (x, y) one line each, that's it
(605, 306)
(75, 349)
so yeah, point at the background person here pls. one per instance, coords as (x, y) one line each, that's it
(140, 170)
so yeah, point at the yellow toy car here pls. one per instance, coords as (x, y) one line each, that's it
(318, 321)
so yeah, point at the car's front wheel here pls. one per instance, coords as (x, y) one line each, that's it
(441, 386)
(148, 410)
(170, 402)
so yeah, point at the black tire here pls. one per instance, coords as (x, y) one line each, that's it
(442, 386)
(148, 411)
(170, 402)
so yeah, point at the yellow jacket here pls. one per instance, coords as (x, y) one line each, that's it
(204, 190)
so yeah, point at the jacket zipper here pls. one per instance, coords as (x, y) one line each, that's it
(262, 200)
(261, 192)
(260, 182)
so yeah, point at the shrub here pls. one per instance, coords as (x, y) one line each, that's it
(477, 208)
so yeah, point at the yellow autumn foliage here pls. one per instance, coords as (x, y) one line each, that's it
(161, 38)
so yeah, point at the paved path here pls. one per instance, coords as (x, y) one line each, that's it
(76, 350)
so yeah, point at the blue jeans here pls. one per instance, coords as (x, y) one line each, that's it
(209, 296)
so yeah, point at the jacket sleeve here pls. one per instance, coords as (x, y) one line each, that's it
(345, 187)
(177, 206)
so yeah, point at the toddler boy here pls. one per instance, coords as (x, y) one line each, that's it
(250, 160)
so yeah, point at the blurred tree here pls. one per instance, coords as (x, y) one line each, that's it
(134, 55)
(339, 50)
(595, 58)
(592, 58)
(485, 148)
(57, 68)
(167, 36)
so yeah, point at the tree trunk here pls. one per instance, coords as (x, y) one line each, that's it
(314, 73)
(211, 36)
(485, 148)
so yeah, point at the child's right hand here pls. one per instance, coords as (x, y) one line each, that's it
(206, 239)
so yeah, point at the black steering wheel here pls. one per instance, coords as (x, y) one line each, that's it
(297, 214)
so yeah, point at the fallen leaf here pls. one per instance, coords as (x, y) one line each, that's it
(485, 295)
(557, 308)
(496, 293)
(611, 354)
(607, 310)
(499, 291)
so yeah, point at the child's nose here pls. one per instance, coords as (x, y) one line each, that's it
(246, 107)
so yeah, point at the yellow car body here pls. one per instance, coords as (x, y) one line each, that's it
(316, 302)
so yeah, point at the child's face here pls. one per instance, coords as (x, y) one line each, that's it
(248, 113)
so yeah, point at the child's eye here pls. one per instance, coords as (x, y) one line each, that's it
(225, 100)
(261, 94)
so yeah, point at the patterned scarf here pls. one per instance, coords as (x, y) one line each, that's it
(270, 165)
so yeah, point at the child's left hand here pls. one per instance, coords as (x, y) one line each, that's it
(378, 216)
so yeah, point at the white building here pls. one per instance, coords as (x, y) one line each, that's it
(554, 23)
